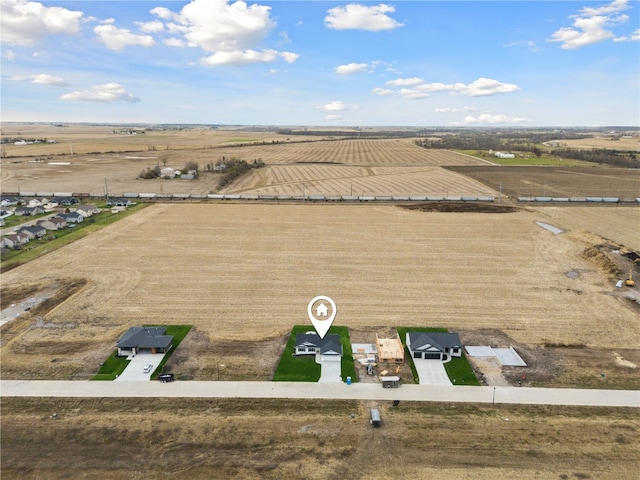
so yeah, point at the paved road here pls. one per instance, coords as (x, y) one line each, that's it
(338, 391)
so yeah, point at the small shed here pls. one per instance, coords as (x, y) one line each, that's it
(390, 382)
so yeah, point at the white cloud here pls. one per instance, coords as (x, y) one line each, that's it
(230, 32)
(109, 92)
(289, 57)
(529, 44)
(351, 68)
(174, 42)
(334, 118)
(435, 87)
(116, 38)
(46, 79)
(453, 110)
(593, 25)
(412, 93)
(477, 88)
(334, 106)
(484, 86)
(489, 119)
(151, 27)
(361, 17)
(9, 54)
(25, 23)
(382, 91)
(405, 82)
(247, 57)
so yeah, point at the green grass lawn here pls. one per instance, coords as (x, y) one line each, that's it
(59, 238)
(458, 369)
(113, 366)
(292, 368)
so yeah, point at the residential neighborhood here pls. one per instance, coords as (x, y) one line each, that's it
(43, 216)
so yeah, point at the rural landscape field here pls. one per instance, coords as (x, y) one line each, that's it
(241, 273)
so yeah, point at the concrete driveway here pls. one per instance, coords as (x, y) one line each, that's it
(431, 372)
(331, 370)
(134, 371)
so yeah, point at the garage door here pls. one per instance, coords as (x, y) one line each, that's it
(417, 354)
(432, 356)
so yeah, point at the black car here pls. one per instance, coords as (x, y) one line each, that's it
(166, 377)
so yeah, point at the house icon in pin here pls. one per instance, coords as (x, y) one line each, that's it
(322, 310)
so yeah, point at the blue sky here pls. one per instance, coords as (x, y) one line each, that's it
(401, 63)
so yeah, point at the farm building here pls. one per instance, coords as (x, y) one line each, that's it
(504, 155)
(434, 345)
(148, 339)
(390, 349)
(311, 344)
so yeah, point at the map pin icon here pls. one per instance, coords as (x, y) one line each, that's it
(322, 310)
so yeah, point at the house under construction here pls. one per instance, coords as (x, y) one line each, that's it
(390, 350)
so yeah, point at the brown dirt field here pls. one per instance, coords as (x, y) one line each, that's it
(631, 143)
(357, 180)
(558, 181)
(280, 439)
(244, 273)
(378, 167)
(616, 225)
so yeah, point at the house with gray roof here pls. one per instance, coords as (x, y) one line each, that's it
(311, 344)
(53, 223)
(434, 345)
(15, 240)
(33, 231)
(28, 211)
(86, 210)
(73, 217)
(144, 339)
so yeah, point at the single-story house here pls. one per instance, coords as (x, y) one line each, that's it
(434, 345)
(9, 201)
(53, 223)
(28, 211)
(86, 210)
(15, 240)
(73, 217)
(311, 344)
(119, 202)
(37, 202)
(33, 231)
(68, 201)
(148, 339)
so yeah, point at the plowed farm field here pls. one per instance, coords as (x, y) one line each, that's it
(327, 167)
(245, 273)
(357, 180)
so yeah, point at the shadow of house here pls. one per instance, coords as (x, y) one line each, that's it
(144, 339)
(434, 345)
